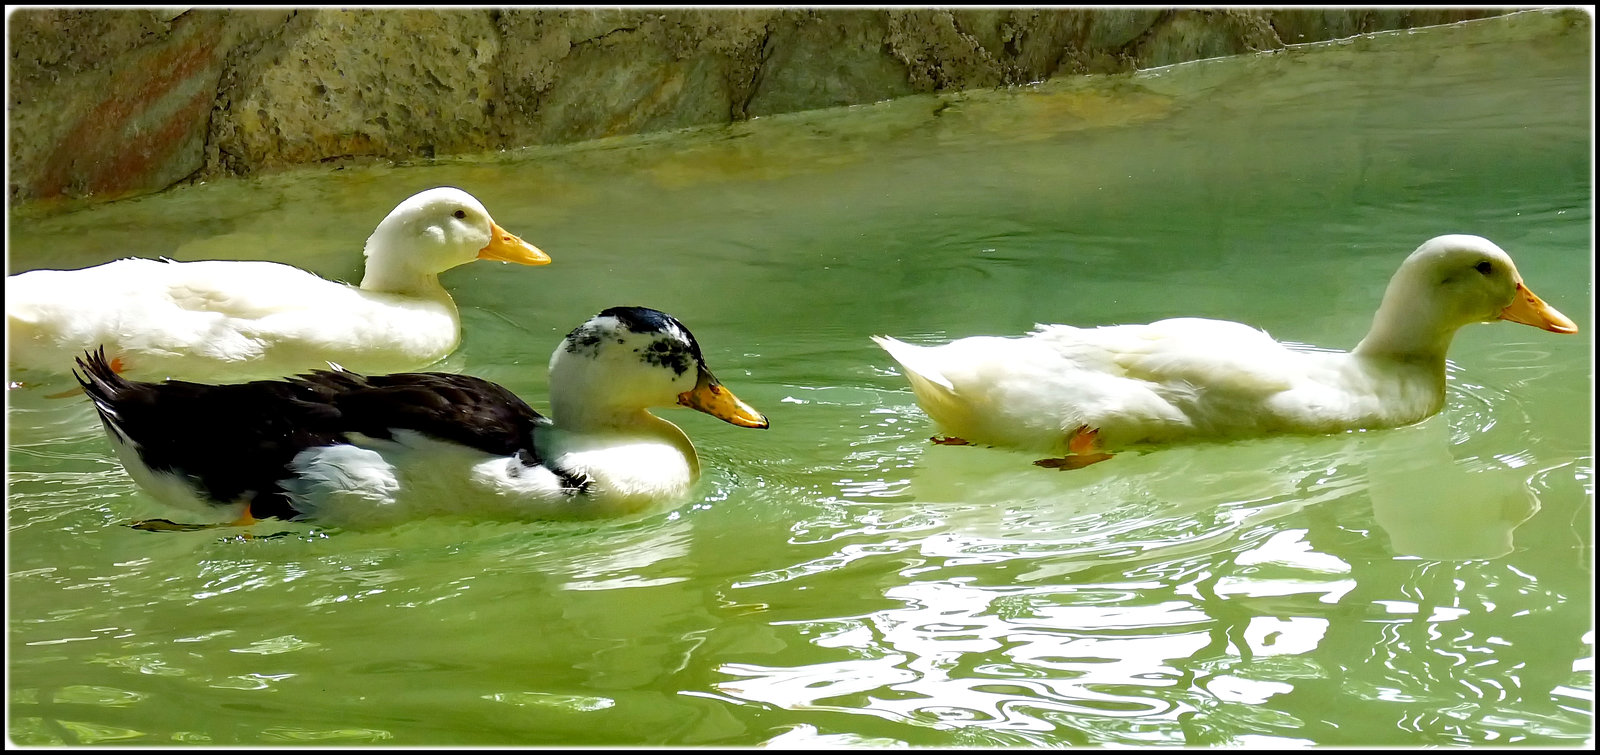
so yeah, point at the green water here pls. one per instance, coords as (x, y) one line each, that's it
(836, 580)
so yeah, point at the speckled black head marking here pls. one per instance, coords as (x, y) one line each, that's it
(673, 354)
(584, 340)
(675, 347)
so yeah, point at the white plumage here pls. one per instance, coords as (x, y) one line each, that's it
(1113, 386)
(224, 320)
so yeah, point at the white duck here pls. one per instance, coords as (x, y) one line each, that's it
(348, 450)
(1084, 390)
(235, 320)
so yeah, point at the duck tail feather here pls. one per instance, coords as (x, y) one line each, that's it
(103, 386)
(99, 380)
(913, 359)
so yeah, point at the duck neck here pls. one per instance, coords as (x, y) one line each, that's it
(392, 266)
(390, 280)
(635, 422)
(1408, 332)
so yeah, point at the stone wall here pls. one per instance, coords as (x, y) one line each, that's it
(109, 103)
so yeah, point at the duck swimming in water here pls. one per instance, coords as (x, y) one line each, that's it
(346, 449)
(1087, 390)
(230, 321)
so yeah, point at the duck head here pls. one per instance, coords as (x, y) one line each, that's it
(1448, 282)
(628, 359)
(434, 231)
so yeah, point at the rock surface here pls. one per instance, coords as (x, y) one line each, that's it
(109, 103)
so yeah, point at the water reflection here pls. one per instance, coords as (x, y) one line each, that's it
(1030, 600)
(1435, 507)
(841, 582)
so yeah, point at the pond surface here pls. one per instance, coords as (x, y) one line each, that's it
(838, 580)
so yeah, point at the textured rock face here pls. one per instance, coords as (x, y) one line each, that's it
(583, 74)
(106, 103)
(133, 115)
(811, 61)
(334, 83)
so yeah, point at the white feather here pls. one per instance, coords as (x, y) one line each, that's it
(1190, 377)
(236, 320)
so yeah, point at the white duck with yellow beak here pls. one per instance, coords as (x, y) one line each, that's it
(231, 320)
(1086, 390)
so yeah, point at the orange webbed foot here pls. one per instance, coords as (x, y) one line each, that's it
(1081, 447)
(1072, 461)
(167, 525)
(1083, 440)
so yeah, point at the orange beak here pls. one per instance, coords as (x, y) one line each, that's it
(710, 397)
(1529, 309)
(506, 247)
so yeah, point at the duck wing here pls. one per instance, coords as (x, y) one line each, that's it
(236, 442)
(461, 409)
(246, 290)
(1213, 355)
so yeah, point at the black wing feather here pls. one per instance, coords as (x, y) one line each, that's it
(236, 440)
(457, 408)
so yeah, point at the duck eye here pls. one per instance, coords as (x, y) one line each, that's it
(1484, 267)
(462, 215)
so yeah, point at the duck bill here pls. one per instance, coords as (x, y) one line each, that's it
(710, 397)
(1529, 309)
(506, 247)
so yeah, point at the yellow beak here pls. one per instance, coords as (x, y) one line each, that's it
(506, 247)
(1529, 309)
(710, 397)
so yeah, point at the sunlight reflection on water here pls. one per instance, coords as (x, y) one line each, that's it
(838, 580)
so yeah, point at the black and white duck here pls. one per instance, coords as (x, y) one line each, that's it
(347, 449)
